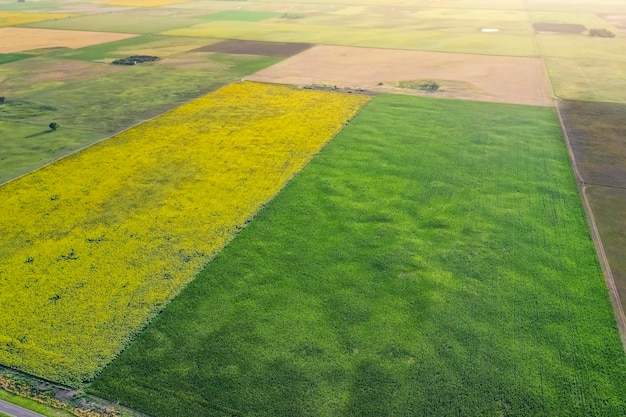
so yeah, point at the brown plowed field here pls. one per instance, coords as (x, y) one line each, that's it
(26, 39)
(256, 48)
(597, 133)
(475, 77)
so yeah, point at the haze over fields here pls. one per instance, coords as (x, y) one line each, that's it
(324, 208)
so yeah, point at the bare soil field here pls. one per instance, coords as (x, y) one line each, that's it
(597, 132)
(609, 208)
(25, 39)
(256, 48)
(617, 20)
(558, 27)
(517, 80)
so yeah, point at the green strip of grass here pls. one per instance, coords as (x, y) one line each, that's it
(6, 58)
(32, 405)
(434, 260)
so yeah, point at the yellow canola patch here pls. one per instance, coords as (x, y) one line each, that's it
(20, 18)
(143, 3)
(96, 244)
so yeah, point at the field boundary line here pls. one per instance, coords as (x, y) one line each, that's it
(112, 135)
(618, 308)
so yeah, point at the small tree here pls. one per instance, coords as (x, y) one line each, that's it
(53, 125)
(601, 33)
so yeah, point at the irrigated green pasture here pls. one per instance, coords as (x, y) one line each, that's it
(433, 260)
(376, 37)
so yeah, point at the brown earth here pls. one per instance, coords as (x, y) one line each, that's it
(617, 20)
(596, 133)
(477, 77)
(256, 48)
(25, 39)
(558, 27)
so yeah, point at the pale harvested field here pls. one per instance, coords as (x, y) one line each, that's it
(26, 39)
(501, 79)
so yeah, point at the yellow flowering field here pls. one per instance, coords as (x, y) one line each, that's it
(20, 18)
(96, 244)
(143, 3)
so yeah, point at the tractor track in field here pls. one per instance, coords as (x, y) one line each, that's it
(618, 308)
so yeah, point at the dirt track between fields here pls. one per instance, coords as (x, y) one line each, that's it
(518, 80)
(618, 308)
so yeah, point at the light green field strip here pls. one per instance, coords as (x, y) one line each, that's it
(479, 43)
(587, 79)
(128, 21)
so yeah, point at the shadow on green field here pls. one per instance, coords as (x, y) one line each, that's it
(441, 268)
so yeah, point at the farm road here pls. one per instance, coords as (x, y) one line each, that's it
(618, 308)
(17, 411)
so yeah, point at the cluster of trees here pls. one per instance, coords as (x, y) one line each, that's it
(601, 33)
(135, 59)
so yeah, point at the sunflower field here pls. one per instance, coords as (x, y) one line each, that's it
(96, 244)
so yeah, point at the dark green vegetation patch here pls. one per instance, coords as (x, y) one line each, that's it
(6, 58)
(434, 260)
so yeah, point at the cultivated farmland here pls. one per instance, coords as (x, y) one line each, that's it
(88, 259)
(444, 268)
(478, 77)
(25, 39)
(99, 99)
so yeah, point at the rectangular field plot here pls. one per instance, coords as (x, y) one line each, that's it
(96, 244)
(137, 20)
(20, 18)
(434, 260)
(405, 37)
(520, 80)
(25, 39)
(588, 79)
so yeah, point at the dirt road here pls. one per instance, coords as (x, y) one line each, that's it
(17, 411)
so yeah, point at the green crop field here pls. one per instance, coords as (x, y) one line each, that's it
(433, 260)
